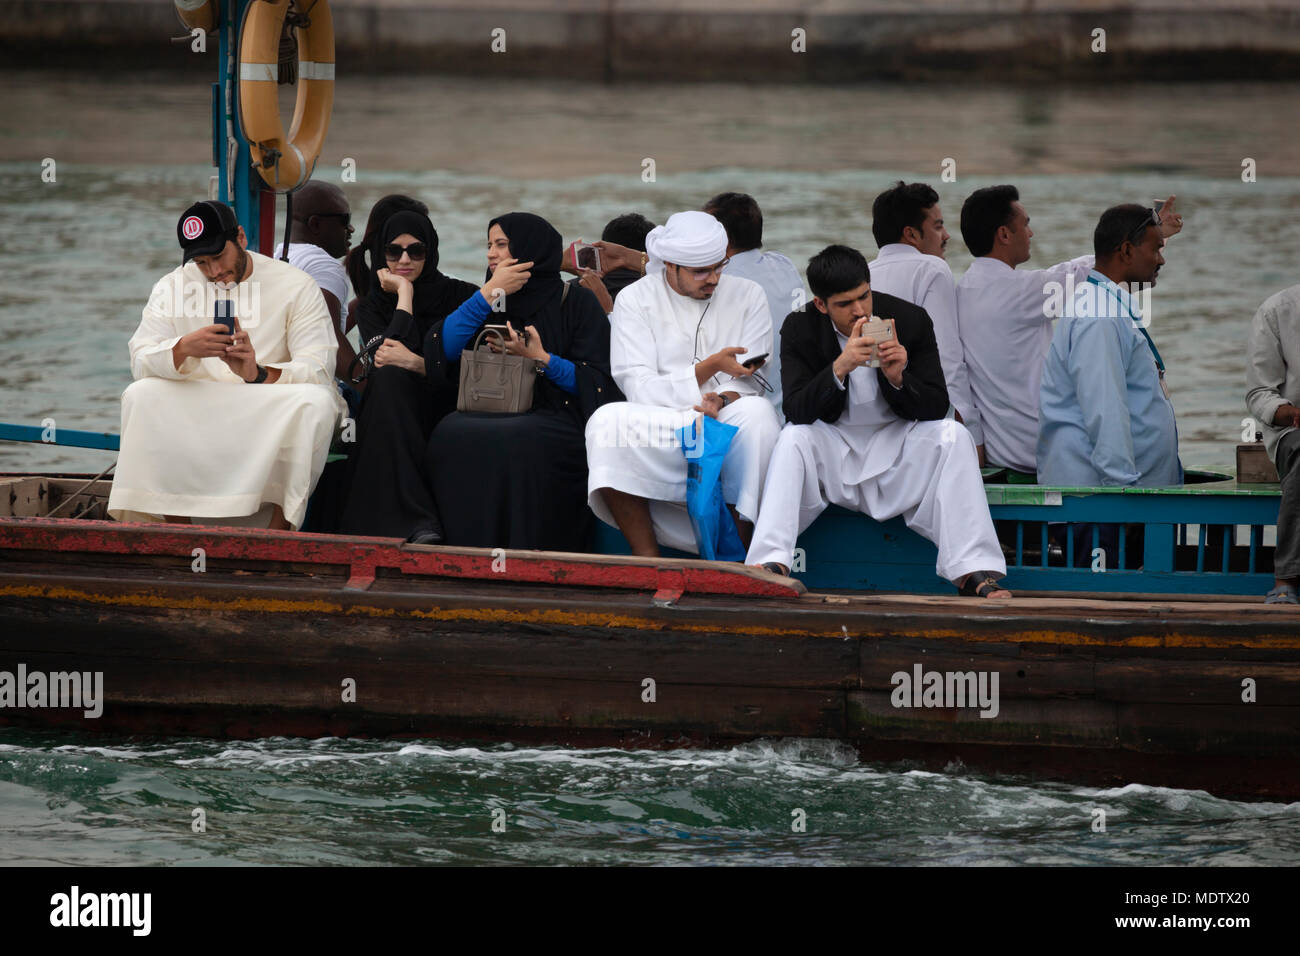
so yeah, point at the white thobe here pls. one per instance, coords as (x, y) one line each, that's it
(656, 339)
(911, 275)
(1005, 322)
(871, 461)
(199, 441)
(783, 287)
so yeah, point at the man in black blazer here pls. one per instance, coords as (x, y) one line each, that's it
(874, 440)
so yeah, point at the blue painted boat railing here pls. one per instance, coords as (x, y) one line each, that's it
(1185, 531)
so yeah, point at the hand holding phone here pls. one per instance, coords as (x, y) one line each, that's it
(756, 361)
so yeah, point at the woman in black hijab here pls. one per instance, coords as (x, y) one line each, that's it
(520, 481)
(389, 493)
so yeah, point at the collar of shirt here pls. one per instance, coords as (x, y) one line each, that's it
(1122, 297)
(741, 258)
(987, 269)
(898, 250)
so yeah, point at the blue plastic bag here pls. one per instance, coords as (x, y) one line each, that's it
(715, 532)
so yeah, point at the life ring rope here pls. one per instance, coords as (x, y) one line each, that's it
(285, 161)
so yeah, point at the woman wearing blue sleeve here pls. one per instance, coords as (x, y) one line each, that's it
(519, 481)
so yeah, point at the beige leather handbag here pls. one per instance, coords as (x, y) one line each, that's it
(495, 381)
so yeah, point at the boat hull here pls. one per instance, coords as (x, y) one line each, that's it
(433, 643)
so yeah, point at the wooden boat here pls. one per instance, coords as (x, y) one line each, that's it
(1170, 673)
(305, 634)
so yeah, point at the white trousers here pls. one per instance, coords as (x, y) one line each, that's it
(222, 451)
(934, 483)
(634, 449)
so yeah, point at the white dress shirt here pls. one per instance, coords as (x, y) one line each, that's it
(925, 280)
(327, 271)
(780, 282)
(1006, 329)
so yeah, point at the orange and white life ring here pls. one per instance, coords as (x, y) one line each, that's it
(197, 14)
(285, 161)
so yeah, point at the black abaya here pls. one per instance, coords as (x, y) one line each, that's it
(389, 491)
(520, 481)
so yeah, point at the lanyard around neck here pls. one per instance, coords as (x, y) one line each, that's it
(1137, 324)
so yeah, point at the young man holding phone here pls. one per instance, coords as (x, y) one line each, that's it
(679, 339)
(232, 411)
(872, 439)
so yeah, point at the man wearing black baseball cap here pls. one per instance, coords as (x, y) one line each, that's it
(197, 444)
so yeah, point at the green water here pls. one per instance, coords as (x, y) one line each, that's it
(331, 801)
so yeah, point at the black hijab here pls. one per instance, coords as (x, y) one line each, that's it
(436, 295)
(532, 239)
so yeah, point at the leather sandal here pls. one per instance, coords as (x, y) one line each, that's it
(980, 584)
(1282, 594)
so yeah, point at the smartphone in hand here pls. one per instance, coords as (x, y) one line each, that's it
(756, 361)
(224, 314)
(586, 256)
(880, 331)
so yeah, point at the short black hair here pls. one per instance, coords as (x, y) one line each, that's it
(740, 216)
(837, 269)
(984, 212)
(629, 230)
(1118, 225)
(900, 206)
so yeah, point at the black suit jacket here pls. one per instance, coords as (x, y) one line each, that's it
(809, 346)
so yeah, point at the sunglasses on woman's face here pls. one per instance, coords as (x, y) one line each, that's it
(416, 251)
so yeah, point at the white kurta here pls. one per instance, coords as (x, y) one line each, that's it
(874, 462)
(1006, 330)
(911, 275)
(198, 441)
(656, 338)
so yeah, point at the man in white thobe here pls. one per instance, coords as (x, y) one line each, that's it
(231, 426)
(908, 227)
(874, 440)
(743, 220)
(678, 339)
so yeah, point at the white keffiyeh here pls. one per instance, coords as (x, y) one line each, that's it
(693, 239)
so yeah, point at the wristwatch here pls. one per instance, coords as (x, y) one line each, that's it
(644, 259)
(261, 376)
(725, 400)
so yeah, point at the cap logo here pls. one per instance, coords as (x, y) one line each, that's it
(192, 227)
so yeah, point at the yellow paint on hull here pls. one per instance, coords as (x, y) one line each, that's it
(585, 619)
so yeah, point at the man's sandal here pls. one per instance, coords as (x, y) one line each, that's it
(980, 584)
(1282, 594)
(775, 568)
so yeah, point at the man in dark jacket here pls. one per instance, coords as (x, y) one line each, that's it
(872, 439)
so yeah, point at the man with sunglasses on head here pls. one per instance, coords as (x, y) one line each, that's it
(321, 235)
(233, 407)
(1105, 418)
(684, 342)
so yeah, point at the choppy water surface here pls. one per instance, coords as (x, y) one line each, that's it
(332, 801)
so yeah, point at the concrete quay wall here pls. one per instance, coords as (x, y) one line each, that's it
(745, 40)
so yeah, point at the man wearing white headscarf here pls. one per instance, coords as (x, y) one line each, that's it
(678, 339)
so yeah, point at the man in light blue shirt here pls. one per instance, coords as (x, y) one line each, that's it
(743, 220)
(1104, 416)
